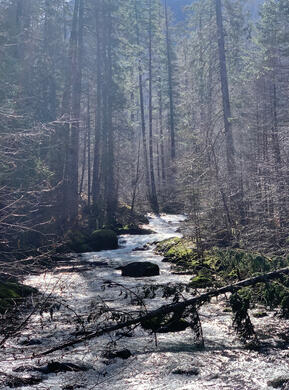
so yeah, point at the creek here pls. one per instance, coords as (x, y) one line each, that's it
(223, 364)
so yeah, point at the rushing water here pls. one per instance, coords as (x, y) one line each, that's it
(223, 364)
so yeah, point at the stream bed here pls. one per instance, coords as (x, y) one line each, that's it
(171, 361)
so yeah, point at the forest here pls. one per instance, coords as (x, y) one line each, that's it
(144, 180)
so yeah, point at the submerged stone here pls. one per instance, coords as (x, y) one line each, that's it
(174, 326)
(122, 354)
(140, 269)
(162, 325)
(55, 367)
(16, 382)
(278, 382)
(31, 342)
(184, 370)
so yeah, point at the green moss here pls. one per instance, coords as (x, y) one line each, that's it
(79, 242)
(133, 229)
(103, 240)
(222, 266)
(165, 245)
(201, 281)
(236, 264)
(260, 314)
(11, 293)
(285, 306)
(179, 251)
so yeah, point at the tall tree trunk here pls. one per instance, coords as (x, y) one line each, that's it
(142, 110)
(98, 124)
(75, 125)
(230, 149)
(236, 198)
(170, 84)
(88, 125)
(161, 130)
(154, 199)
(136, 180)
(110, 186)
(65, 132)
(281, 194)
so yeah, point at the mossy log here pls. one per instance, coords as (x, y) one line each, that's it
(172, 308)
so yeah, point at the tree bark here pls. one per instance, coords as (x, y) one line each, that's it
(154, 198)
(142, 110)
(170, 84)
(75, 126)
(230, 149)
(98, 123)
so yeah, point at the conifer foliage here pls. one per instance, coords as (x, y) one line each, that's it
(147, 105)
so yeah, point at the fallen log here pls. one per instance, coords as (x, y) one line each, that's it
(171, 308)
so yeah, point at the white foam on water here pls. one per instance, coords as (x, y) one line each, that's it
(224, 364)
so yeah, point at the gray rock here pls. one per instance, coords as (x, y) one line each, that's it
(123, 354)
(55, 367)
(16, 382)
(280, 382)
(31, 342)
(140, 269)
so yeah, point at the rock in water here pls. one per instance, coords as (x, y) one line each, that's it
(123, 354)
(56, 367)
(140, 269)
(103, 240)
(15, 382)
(184, 370)
(280, 382)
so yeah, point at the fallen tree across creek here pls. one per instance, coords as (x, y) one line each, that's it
(171, 308)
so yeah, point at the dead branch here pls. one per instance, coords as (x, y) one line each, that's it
(167, 309)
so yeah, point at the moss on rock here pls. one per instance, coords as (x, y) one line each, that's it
(13, 293)
(133, 229)
(178, 251)
(102, 239)
(201, 281)
(216, 267)
(79, 242)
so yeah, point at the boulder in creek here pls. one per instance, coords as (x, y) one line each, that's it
(55, 367)
(161, 325)
(140, 269)
(31, 342)
(122, 354)
(103, 240)
(98, 240)
(16, 382)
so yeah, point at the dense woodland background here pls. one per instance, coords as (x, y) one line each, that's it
(110, 107)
